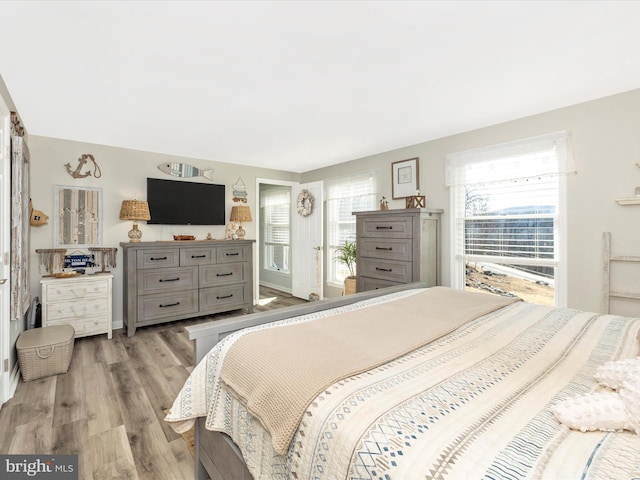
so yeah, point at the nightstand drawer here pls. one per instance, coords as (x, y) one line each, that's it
(152, 307)
(167, 280)
(215, 275)
(398, 226)
(77, 310)
(85, 326)
(158, 258)
(386, 248)
(65, 290)
(386, 270)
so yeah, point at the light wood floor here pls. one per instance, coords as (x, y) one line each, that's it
(108, 408)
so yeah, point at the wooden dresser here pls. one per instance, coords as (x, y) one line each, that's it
(84, 302)
(165, 281)
(397, 246)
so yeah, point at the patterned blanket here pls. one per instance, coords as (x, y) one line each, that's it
(475, 403)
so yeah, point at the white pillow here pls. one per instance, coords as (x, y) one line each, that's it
(614, 374)
(630, 394)
(596, 411)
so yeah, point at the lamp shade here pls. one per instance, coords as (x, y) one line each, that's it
(240, 213)
(134, 210)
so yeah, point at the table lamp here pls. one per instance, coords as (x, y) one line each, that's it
(240, 213)
(135, 210)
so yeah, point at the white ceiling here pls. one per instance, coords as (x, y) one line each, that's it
(298, 85)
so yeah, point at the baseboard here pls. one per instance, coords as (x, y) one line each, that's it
(276, 287)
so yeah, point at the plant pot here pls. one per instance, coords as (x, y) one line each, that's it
(349, 286)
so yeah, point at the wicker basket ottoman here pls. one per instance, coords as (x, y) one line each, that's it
(45, 351)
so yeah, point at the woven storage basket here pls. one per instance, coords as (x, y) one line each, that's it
(45, 351)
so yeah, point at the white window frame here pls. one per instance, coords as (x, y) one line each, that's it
(559, 141)
(332, 193)
(286, 246)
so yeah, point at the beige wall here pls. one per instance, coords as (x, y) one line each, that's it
(605, 142)
(606, 146)
(124, 174)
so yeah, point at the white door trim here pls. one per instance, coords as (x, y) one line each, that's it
(258, 249)
(7, 387)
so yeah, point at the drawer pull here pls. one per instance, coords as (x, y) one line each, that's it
(169, 279)
(224, 296)
(382, 227)
(223, 274)
(384, 248)
(163, 305)
(198, 256)
(232, 254)
(384, 269)
(157, 258)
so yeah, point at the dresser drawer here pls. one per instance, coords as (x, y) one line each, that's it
(85, 326)
(65, 290)
(395, 271)
(212, 298)
(386, 248)
(214, 275)
(197, 256)
(158, 258)
(167, 279)
(231, 254)
(374, 284)
(78, 309)
(397, 226)
(154, 307)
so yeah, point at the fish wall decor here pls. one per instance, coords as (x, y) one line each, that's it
(184, 170)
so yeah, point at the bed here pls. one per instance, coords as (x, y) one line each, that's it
(421, 383)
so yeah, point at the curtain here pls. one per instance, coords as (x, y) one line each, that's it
(548, 154)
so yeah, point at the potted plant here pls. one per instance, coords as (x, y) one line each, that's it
(347, 254)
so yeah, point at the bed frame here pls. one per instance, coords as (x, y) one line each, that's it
(216, 456)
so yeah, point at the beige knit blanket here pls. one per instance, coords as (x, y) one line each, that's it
(279, 371)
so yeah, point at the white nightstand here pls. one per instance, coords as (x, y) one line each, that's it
(84, 302)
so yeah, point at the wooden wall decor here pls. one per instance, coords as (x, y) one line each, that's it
(77, 172)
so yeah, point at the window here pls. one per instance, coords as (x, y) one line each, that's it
(509, 229)
(275, 215)
(343, 196)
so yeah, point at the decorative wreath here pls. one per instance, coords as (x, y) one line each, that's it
(305, 203)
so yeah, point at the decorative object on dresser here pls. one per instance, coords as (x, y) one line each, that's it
(135, 210)
(416, 201)
(405, 179)
(166, 281)
(107, 257)
(82, 301)
(397, 246)
(239, 214)
(346, 254)
(51, 260)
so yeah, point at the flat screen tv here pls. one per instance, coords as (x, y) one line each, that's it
(174, 202)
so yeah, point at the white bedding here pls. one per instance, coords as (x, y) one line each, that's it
(473, 404)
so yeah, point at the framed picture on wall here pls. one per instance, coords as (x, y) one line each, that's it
(404, 178)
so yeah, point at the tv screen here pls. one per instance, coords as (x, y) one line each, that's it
(173, 202)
